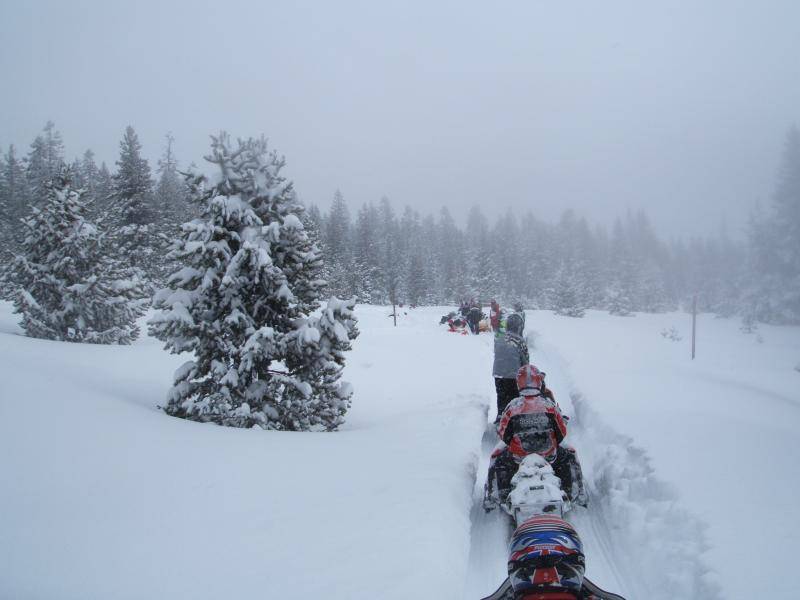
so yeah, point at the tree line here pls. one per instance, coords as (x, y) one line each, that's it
(568, 265)
(558, 262)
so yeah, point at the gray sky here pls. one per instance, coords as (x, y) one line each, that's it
(676, 107)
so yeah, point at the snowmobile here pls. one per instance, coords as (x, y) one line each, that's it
(546, 561)
(457, 325)
(448, 317)
(535, 490)
(589, 591)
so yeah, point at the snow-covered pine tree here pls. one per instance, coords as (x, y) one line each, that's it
(45, 159)
(416, 284)
(366, 254)
(170, 192)
(170, 210)
(243, 303)
(775, 243)
(567, 292)
(338, 248)
(132, 215)
(89, 175)
(100, 207)
(318, 399)
(14, 198)
(389, 248)
(65, 288)
(428, 247)
(621, 275)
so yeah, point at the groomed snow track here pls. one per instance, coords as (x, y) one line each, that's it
(638, 541)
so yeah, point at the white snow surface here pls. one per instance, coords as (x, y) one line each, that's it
(103, 496)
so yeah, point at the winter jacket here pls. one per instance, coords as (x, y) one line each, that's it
(510, 353)
(532, 425)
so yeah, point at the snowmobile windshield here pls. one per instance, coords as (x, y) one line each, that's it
(561, 574)
(540, 561)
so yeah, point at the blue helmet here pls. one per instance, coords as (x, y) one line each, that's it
(546, 555)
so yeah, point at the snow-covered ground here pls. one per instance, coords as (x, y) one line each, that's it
(103, 496)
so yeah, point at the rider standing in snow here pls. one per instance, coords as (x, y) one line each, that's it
(510, 353)
(533, 424)
(474, 317)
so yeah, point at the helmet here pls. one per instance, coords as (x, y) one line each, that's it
(546, 555)
(529, 378)
(515, 324)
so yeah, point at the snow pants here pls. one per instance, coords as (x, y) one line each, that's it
(506, 389)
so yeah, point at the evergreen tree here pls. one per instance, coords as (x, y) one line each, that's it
(170, 196)
(243, 304)
(621, 279)
(44, 161)
(427, 248)
(65, 288)
(103, 195)
(338, 246)
(391, 262)
(13, 198)
(89, 175)
(777, 245)
(450, 256)
(367, 255)
(132, 215)
(416, 281)
(568, 291)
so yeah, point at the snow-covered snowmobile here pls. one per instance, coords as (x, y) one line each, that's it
(535, 490)
(546, 562)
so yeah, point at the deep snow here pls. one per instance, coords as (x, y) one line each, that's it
(103, 496)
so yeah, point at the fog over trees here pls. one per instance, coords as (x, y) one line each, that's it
(381, 253)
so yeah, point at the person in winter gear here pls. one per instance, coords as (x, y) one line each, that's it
(494, 315)
(533, 424)
(474, 317)
(510, 353)
(546, 560)
(520, 310)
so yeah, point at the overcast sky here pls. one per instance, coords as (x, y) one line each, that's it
(677, 107)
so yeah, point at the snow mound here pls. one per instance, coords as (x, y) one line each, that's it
(657, 544)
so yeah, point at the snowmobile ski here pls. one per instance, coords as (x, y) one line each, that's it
(590, 591)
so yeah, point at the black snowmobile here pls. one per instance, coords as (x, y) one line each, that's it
(589, 592)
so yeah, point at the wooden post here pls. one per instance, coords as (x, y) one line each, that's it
(694, 323)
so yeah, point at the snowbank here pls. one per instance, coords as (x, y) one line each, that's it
(104, 496)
